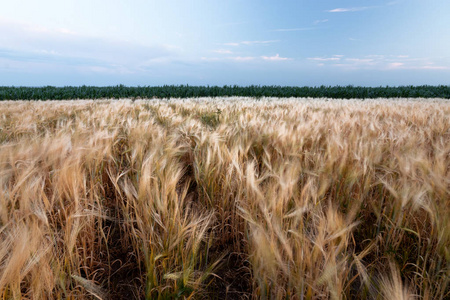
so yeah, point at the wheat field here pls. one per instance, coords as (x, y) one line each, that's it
(225, 198)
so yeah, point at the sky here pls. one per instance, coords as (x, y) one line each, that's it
(228, 42)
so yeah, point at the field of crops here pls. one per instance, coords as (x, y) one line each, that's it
(186, 91)
(225, 198)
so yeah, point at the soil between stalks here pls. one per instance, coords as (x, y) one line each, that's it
(123, 271)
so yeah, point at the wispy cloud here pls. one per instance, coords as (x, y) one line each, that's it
(242, 58)
(61, 47)
(275, 58)
(380, 62)
(258, 42)
(324, 58)
(361, 60)
(231, 44)
(223, 51)
(395, 65)
(431, 67)
(360, 8)
(316, 22)
(375, 56)
(204, 58)
(406, 66)
(232, 58)
(350, 9)
(293, 29)
(248, 43)
(321, 59)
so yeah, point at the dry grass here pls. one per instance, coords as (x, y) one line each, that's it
(225, 198)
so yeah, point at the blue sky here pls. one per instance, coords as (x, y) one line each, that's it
(207, 42)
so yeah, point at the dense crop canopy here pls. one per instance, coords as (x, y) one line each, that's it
(225, 199)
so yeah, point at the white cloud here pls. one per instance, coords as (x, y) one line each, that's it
(430, 67)
(232, 44)
(66, 31)
(360, 8)
(258, 42)
(395, 65)
(381, 62)
(347, 66)
(349, 9)
(242, 58)
(320, 21)
(233, 58)
(248, 43)
(325, 58)
(275, 58)
(360, 60)
(375, 56)
(60, 47)
(223, 51)
(293, 29)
